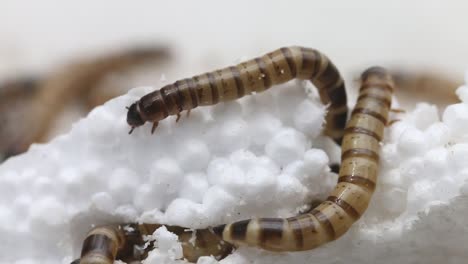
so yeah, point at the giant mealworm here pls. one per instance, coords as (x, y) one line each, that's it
(105, 244)
(254, 75)
(351, 196)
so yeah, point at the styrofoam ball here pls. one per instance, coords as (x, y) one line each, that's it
(315, 160)
(259, 184)
(462, 93)
(165, 175)
(290, 190)
(458, 156)
(262, 126)
(392, 179)
(287, 145)
(456, 118)
(146, 198)
(228, 136)
(233, 180)
(423, 115)
(437, 134)
(123, 184)
(218, 202)
(193, 155)
(48, 210)
(309, 118)
(103, 201)
(395, 201)
(217, 167)
(244, 159)
(411, 142)
(412, 169)
(435, 161)
(182, 212)
(194, 187)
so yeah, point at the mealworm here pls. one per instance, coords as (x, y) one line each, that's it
(254, 75)
(351, 196)
(125, 242)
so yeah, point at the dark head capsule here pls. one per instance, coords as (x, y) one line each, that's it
(133, 116)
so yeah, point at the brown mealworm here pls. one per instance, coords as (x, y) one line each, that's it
(351, 196)
(254, 75)
(105, 244)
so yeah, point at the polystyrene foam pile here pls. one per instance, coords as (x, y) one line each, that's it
(259, 156)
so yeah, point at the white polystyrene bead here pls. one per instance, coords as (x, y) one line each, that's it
(411, 142)
(287, 145)
(462, 93)
(423, 116)
(456, 118)
(309, 118)
(193, 155)
(48, 210)
(262, 126)
(437, 134)
(194, 186)
(459, 155)
(228, 136)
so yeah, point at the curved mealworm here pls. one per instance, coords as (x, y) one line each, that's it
(254, 75)
(105, 244)
(351, 196)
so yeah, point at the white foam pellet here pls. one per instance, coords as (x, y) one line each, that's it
(48, 210)
(287, 145)
(103, 201)
(228, 136)
(258, 184)
(122, 183)
(411, 142)
(462, 93)
(395, 201)
(182, 212)
(437, 134)
(244, 159)
(193, 155)
(315, 160)
(459, 155)
(456, 118)
(194, 186)
(262, 126)
(423, 115)
(309, 117)
(393, 178)
(146, 198)
(216, 167)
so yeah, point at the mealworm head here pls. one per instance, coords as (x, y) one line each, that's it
(133, 117)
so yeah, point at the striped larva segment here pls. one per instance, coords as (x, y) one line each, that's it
(351, 196)
(255, 75)
(105, 244)
(102, 245)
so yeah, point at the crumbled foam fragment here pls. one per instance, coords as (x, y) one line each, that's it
(231, 162)
(167, 247)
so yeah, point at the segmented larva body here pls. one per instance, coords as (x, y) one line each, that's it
(351, 196)
(255, 75)
(105, 244)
